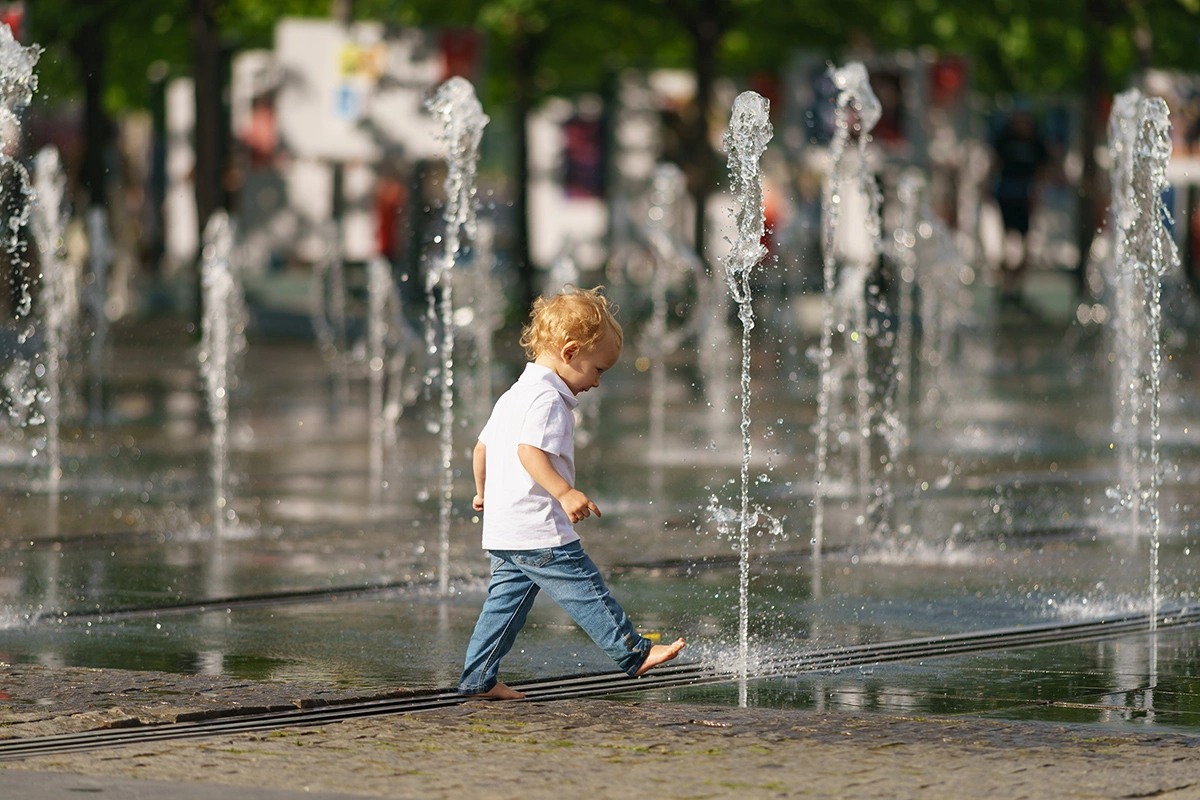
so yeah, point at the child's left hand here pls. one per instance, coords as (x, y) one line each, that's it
(477, 503)
(577, 505)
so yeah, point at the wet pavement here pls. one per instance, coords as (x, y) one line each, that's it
(617, 749)
(120, 607)
(1001, 518)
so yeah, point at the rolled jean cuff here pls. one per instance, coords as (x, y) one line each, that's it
(467, 691)
(638, 656)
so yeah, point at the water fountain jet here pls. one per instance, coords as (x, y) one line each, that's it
(462, 121)
(327, 311)
(482, 315)
(390, 348)
(671, 260)
(749, 132)
(17, 85)
(904, 243)
(100, 257)
(1151, 254)
(1129, 319)
(854, 93)
(223, 342)
(58, 304)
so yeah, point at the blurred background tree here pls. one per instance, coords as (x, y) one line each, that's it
(100, 51)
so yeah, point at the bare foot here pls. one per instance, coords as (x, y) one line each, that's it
(499, 692)
(660, 654)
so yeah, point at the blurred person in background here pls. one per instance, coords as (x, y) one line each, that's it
(1019, 159)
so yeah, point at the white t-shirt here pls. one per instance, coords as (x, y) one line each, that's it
(518, 514)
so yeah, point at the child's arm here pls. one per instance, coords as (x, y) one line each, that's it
(537, 464)
(479, 467)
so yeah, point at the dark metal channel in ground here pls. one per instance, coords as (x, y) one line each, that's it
(300, 596)
(668, 676)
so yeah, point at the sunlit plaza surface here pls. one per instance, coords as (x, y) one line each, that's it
(1003, 516)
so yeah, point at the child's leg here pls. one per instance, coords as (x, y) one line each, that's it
(510, 596)
(573, 581)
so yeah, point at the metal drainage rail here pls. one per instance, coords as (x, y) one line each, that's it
(296, 597)
(665, 677)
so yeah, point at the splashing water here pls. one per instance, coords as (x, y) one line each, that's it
(327, 310)
(1129, 317)
(462, 120)
(904, 243)
(17, 85)
(222, 343)
(747, 137)
(482, 314)
(672, 259)
(1150, 252)
(17, 79)
(380, 288)
(100, 256)
(564, 271)
(945, 309)
(389, 348)
(854, 93)
(58, 300)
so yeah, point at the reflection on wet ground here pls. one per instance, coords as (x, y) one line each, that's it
(1001, 518)
(1115, 682)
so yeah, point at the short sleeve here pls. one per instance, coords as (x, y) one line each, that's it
(485, 435)
(548, 425)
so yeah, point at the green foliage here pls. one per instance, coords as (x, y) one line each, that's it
(251, 23)
(159, 33)
(137, 33)
(1043, 45)
(1015, 45)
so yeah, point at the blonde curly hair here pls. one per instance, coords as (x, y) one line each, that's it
(580, 315)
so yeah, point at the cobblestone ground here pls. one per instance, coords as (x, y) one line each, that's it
(586, 748)
(42, 701)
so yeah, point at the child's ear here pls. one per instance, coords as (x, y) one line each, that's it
(569, 351)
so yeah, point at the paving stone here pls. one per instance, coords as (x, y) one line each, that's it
(609, 749)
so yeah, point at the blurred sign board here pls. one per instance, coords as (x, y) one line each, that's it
(356, 92)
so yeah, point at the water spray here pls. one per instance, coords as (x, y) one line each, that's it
(462, 121)
(1151, 253)
(222, 343)
(17, 85)
(747, 137)
(58, 302)
(854, 93)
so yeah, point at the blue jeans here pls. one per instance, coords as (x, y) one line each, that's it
(570, 578)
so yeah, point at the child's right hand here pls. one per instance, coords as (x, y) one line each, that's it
(578, 506)
(477, 503)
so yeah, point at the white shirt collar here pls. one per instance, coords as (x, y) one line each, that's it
(536, 373)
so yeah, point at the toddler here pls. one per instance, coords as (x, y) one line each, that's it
(524, 465)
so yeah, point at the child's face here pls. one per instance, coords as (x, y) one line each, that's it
(581, 368)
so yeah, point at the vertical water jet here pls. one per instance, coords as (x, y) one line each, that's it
(1128, 329)
(390, 345)
(58, 303)
(222, 343)
(1151, 254)
(904, 241)
(462, 121)
(17, 85)
(100, 256)
(854, 94)
(379, 291)
(327, 311)
(749, 132)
